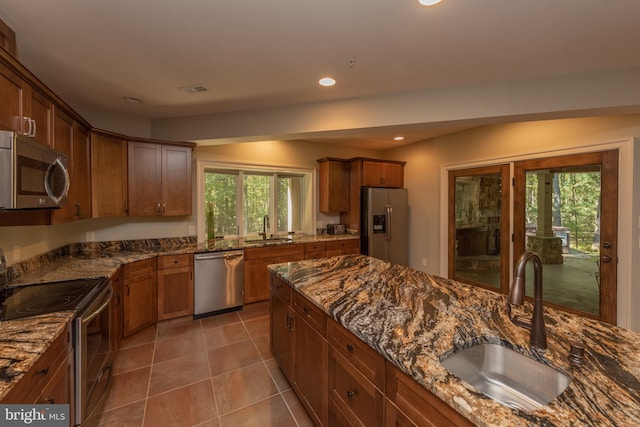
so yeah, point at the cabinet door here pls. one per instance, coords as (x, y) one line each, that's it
(81, 162)
(108, 176)
(394, 417)
(12, 93)
(371, 173)
(256, 279)
(176, 180)
(334, 185)
(392, 175)
(62, 142)
(311, 370)
(59, 388)
(41, 112)
(145, 165)
(140, 304)
(117, 302)
(175, 292)
(282, 335)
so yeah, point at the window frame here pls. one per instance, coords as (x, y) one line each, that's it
(309, 194)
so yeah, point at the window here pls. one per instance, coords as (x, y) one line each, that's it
(243, 202)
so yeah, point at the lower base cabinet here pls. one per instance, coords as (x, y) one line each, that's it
(175, 286)
(140, 296)
(339, 379)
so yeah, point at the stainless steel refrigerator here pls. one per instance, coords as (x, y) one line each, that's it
(384, 216)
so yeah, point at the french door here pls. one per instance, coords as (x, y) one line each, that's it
(564, 209)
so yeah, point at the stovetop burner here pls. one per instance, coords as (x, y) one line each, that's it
(32, 300)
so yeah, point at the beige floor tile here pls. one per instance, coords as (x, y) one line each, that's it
(210, 423)
(271, 412)
(125, 416)
(182, 345)
(296, 408)
(185, 406)
(277, 375)
(133, 358)
(128, 387)
(225, 335)
(243, 387)
(178, 372)
(263, 344)
(220, 320)
(182, 327)
(145, 336)
(256, 309)
(258, 327)
(234, 356)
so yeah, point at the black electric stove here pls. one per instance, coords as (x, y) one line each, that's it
(31, 300)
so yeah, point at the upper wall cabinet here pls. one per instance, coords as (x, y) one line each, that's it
(108, 175)
(62, 142)
(81, 172)
(159, 179)
(24, 109)
(334, 188)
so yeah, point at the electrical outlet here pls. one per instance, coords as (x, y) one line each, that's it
(424, 262)
(192, 230)
(90, 236)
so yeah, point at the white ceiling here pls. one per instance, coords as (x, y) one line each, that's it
(254, 54)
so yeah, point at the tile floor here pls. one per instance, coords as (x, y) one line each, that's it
(213, 372)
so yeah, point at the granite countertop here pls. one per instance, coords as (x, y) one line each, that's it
(23, 341)
(415, 319)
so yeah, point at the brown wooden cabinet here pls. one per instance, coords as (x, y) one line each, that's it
(175, 286)
(80, 197)
(140, 308)
(159, 179)
(314, 250)
(373, 173)
(411, 404)
(50, 379)
(108, 176)
(117, 309)
(24, 109)
(256, 275)
(333, 185)
(281, 325)
(342, 247)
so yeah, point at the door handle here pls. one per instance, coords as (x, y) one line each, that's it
(605, 258)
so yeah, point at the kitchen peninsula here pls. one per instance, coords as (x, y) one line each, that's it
(413, 320)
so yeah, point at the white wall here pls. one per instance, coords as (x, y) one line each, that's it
(426, 159)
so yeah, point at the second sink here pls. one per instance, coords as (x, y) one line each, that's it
(507, 376)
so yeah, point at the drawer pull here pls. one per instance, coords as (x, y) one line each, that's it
(49, 400)
(350, 394)
(350, 348)
(306, 310)
(44, 371)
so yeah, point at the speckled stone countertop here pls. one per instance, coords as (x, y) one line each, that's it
(415, 320)
(22, 341)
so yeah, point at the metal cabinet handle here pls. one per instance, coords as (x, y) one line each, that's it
(49, 400)
(606, 258)
(44, 371)
(306, 310)
(349, 348)
(127, 289)
(350, 394)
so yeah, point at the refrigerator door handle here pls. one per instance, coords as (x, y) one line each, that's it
(389, 212)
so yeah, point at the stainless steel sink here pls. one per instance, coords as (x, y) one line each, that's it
(270, 240)
(507, 376)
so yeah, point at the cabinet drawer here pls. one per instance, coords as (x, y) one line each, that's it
(140, 267)
(281, 289)
(174, 261)
(358, 399)
(314, 255)
(273, 251)
(40, 374)
(342, 244)
(366, 360)
(418, 404)
(312, 314)
(314, 247)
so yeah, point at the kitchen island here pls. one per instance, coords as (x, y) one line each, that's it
(415, 320)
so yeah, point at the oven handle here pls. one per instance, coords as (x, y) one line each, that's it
(89, 318)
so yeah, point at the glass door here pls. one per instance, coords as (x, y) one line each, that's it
(479, 226)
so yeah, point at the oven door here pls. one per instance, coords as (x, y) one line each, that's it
(94, 354)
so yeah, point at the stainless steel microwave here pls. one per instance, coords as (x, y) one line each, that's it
(32, 175)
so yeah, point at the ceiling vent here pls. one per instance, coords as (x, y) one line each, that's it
(194, 88)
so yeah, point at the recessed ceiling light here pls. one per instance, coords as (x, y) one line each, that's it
(398, 138)
(429, 2)
(132, 100)
(327, 81)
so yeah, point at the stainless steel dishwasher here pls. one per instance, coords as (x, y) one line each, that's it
(219, 282)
